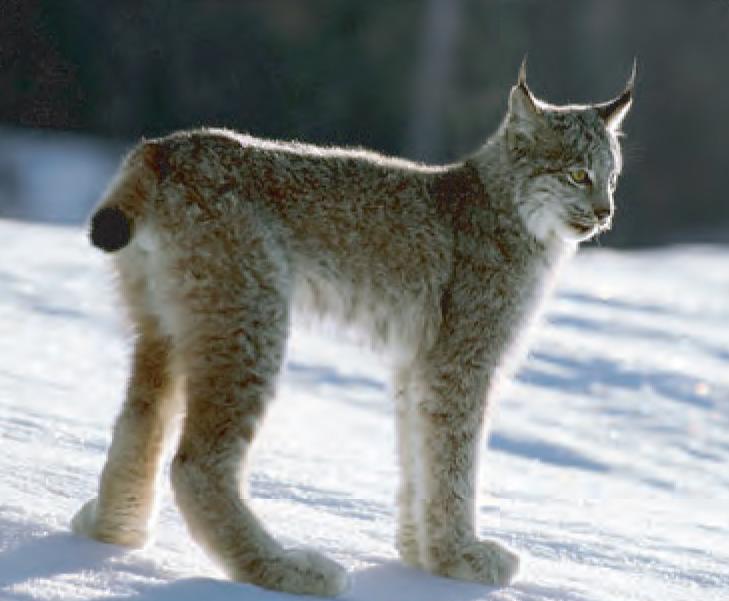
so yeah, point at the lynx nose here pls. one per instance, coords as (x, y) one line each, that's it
(603, 214)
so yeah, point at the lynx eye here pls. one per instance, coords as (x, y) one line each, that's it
(580, 176)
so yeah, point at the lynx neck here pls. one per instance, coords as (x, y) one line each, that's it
(501, 179)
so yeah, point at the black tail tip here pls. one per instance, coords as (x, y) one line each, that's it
(110, 229)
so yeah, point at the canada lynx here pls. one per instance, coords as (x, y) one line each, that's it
(216, 235)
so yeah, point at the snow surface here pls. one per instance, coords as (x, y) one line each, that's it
(608, 464)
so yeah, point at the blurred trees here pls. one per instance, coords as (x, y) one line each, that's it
(353, 73)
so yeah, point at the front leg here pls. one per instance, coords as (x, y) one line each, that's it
(448, 426)
(406, 533)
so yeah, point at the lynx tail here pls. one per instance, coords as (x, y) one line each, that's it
(126, 202)
(110, 229)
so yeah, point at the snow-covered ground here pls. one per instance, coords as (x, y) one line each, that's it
(608, 466)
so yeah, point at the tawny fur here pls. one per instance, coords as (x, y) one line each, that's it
(442, 267)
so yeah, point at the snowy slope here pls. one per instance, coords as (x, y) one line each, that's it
(52, 176)
(608, 465)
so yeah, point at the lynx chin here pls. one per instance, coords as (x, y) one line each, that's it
(217, 236)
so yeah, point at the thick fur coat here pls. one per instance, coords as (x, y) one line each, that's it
(217, 237)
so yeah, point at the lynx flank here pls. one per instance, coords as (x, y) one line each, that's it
(217, 236)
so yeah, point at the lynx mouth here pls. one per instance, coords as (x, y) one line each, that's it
(582, 228)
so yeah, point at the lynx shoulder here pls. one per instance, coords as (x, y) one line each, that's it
(217, 237)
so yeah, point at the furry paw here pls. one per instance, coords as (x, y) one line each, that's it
(300, 571)
(484, 561)
(117, 532)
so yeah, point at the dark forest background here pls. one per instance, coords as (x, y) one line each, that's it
(423, 79)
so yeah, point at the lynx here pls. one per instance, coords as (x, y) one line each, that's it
(216, 236)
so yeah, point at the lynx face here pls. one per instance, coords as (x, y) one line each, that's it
(569, 159)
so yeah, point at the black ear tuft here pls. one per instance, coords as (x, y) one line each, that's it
(614, 111)
(110, 229)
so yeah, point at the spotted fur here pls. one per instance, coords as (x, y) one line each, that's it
(443, 268)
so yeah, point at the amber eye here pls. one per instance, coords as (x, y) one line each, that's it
(580, 176)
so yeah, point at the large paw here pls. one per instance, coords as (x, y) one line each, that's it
(300, 571)
(117, 531)
(484, 561)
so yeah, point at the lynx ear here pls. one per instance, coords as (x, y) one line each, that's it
(522, 103)
(524, 111)
(614, 111)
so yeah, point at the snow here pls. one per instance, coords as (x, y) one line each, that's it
(607, 468)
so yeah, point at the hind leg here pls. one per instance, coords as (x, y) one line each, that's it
(235, 326)
(124, 508)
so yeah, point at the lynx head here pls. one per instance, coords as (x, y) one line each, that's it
(567, 159)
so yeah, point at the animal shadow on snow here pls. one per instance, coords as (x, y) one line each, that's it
(46, 556)
(389, 581)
